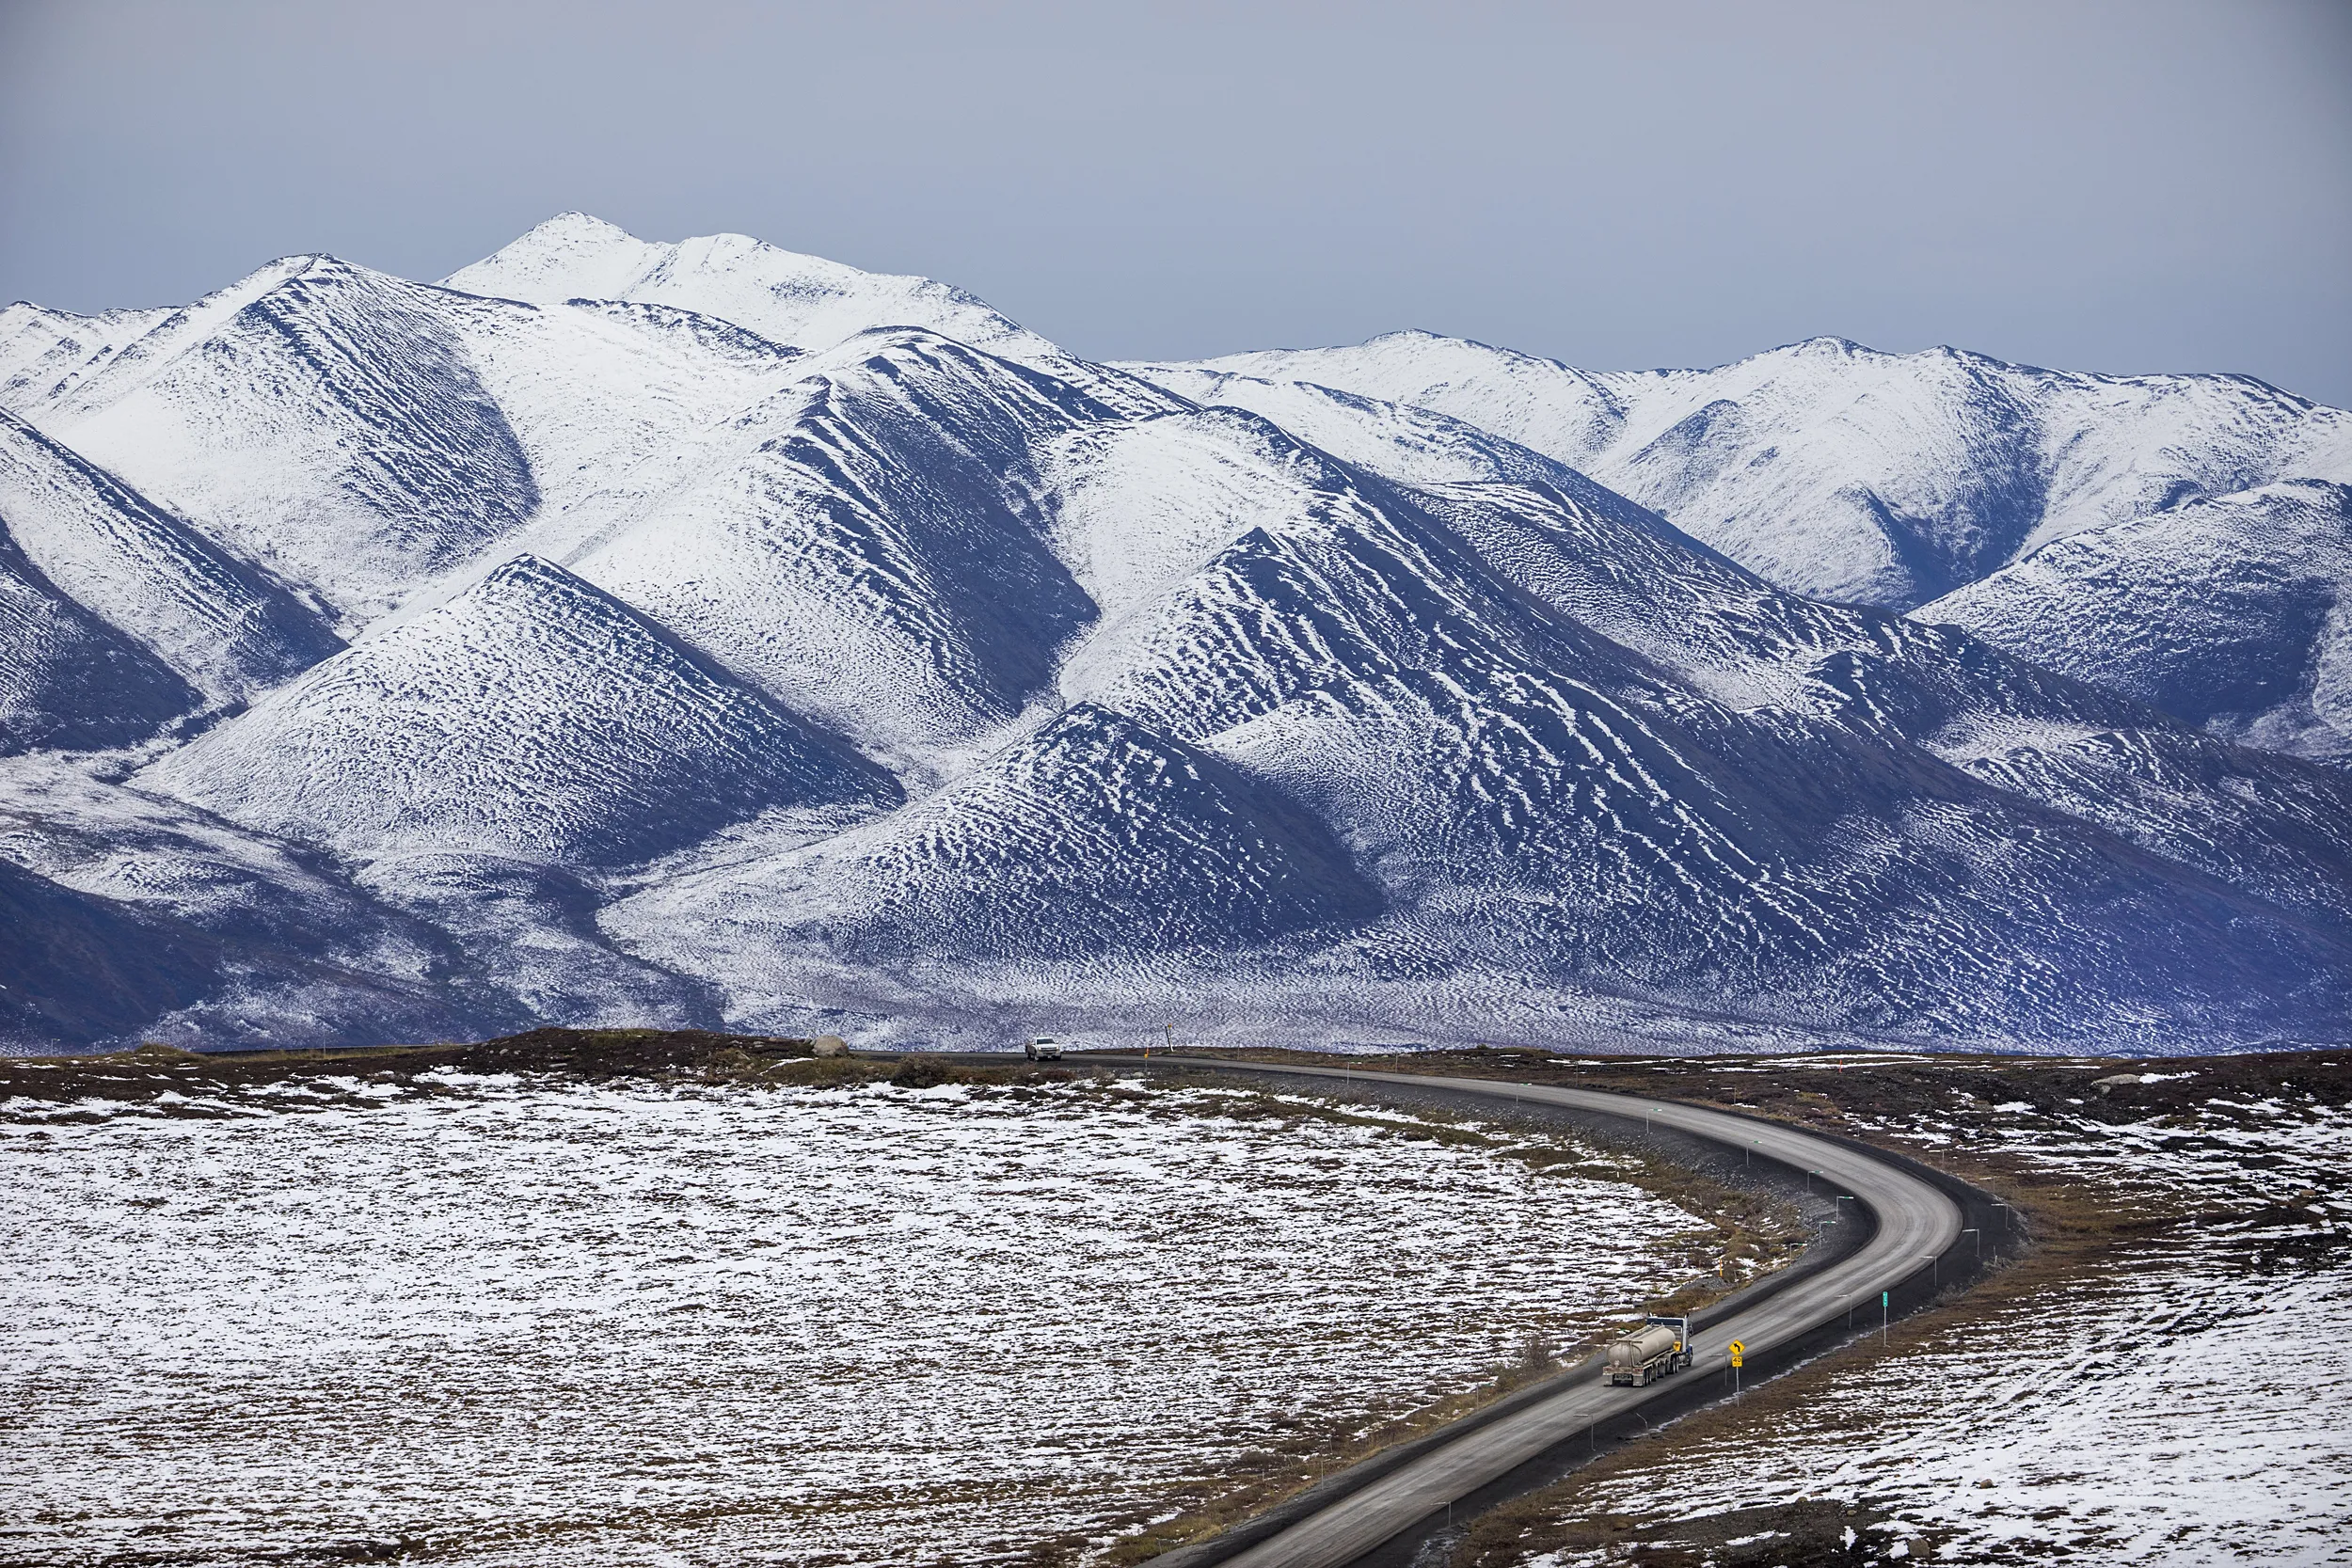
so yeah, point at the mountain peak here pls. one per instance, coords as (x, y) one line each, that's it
(529, 574)
(789, 298)
(570, 255)
(579, 225)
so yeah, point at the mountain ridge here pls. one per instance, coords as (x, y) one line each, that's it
(680, 631)
(1884, 479)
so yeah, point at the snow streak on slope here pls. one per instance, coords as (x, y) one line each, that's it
(532, 716)
(82, 969)
(1836, 470)
(2269, 825)
(2233, 612)
(225, 627)
(290, 948)
(259, 941)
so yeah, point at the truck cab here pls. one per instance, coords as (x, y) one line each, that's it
(1042, 1048)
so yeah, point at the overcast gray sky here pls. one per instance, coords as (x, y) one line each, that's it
(2147, 185)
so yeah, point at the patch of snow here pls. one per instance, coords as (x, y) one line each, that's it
(539, 1323)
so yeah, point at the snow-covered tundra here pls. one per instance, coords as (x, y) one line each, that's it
(518, 1320)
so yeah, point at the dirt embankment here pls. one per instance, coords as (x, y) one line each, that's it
(153, 1071)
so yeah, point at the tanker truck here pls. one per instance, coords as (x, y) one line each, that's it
(1660, 1346)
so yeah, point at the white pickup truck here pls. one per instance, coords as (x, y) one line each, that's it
(1042, 1048)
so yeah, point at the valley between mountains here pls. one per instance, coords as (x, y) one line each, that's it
(618, 632)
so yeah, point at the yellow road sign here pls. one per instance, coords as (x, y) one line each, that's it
(1739, 1353)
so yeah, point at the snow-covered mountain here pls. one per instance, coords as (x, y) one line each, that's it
(2232, 611)
(360, 436)
(532, 716)
(734, 636)
(1838, 471)
(867, 544)
(803, 300)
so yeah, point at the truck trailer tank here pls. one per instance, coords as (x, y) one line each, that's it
(1643, 1344)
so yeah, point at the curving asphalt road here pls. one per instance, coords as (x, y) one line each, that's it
(1916, 1222)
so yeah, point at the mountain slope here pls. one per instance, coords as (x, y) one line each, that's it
(67, 678)
(329, 428)
(532, 716)
(152, 920)
(1528, 797)
(866, 546)
(47, 357)
(225, 627)
(1093, 839)
(80, 969)
(298, 952)
(365, 438)
(1837, 471)
(2233, 612)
